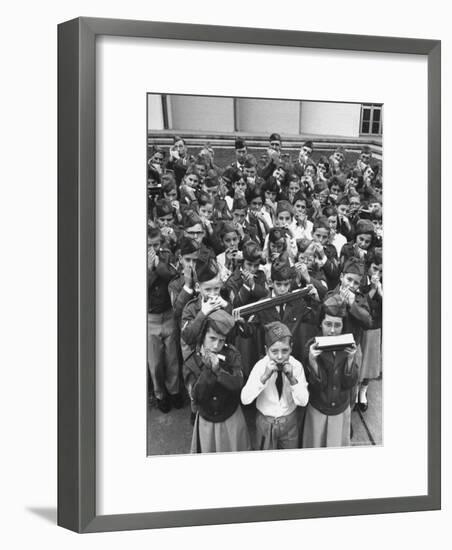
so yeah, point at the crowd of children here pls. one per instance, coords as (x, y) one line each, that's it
(220, 238)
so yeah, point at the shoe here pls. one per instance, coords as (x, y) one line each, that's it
(363, 406)
(177, 401)
(164, 405)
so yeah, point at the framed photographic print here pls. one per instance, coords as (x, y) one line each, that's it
(225, 351)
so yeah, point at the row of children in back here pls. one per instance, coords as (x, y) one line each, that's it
(247, 267)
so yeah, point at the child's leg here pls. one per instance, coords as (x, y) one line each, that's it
(155, 355)
(288, 431)
(172, 370)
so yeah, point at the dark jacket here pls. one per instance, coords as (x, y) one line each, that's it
(216, 396)
(358, 316)
(329, 389)
(158, 279)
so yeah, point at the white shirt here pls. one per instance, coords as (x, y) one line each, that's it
(268, 402)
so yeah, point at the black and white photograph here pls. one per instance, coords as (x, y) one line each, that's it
(265, 274)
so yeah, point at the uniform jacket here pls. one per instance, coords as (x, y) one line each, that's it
(216, 396)
(329, 389)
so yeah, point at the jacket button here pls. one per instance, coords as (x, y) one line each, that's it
(214, 397)
(333, 403)
(334, 387)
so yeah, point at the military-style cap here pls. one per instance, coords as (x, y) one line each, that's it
(321, 223)
(335, 306)
(207, 271)
(276, 331)
(211, 180)
(189, 247)
(221, 321)
(378, 256)
(239, 204)
(191, 218)
(252, 251)
(284, 206)
(275, 137)
(163, 208)
(231, 175)
(156, 149)
(354, 265)
(364, 227)
(227, 227)
(281, 271)
(303, 244)
(276, 233)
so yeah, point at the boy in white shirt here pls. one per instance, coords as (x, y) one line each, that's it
(278, 384)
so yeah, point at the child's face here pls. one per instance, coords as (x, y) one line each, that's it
(354, 204)
(165, 221)
(250, 171)
(277, 247)
(280, 351)
(154, 243)
(320, 236)
(305, 152)
(279, 174)
(196, 232)
(238, 216)
(309, 171)
(213, 341)
(171, 195)
(240, 155)
(201, 169)
(179, 146)
(280, 288)
(252, 267)
(335, 190)
(365, 158)
(307, 257)
(352, 181)
(240, 186)
(323, 195)
(206, 211)
(375, 270)
(378, 227)
(331, 325)
(294, 187)
(332, 222)
(283, 219)
(350, 281)
(210, 289)
(363, 241)
(275, 145)
(342, 210)
(157, 159)
(368, 174)
(192, 180)
(375, 207)
(300, 209)
(270, 195)
(338, 157)
(231, 241)
(256, 204)
(188, 260)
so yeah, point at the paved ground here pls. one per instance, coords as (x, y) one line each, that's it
(171, 433)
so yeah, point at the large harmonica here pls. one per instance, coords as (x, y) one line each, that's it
(334, 343)
(267, 303)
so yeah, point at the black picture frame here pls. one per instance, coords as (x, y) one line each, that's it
(77, 273)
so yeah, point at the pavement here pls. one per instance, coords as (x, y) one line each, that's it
(170, 434)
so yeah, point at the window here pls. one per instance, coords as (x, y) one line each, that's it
(371, 119)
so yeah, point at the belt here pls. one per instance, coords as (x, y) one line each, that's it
(278, 419)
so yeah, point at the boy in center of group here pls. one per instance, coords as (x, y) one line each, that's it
(278, 384)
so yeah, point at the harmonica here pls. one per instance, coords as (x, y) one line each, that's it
(334, 343)
(267, 303)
